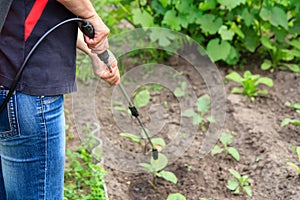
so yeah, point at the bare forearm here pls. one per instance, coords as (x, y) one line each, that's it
(82, 45)
(81, 8)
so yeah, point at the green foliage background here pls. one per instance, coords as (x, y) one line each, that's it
(229, 30)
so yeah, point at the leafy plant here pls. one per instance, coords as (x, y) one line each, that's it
(200, 117)
(227, 28)
(176, 196)
(294, 165)
(238, 183)
(287, 121)
(226, 140)
(159, 143)
(84, 179)
(280, 57)
(156, 168)
(250, 83)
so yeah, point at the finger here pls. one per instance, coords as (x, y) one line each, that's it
(107, 74)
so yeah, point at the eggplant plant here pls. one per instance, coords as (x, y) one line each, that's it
(239, 182)
(226, 140)
(201, 116)
(157, 169)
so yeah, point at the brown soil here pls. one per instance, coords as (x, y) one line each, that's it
(264, 146)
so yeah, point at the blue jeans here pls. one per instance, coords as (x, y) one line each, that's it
(32, 147)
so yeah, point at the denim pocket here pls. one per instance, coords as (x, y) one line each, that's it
(8, 117)
(50, 99)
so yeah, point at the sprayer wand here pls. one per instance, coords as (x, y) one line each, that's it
(88, 30)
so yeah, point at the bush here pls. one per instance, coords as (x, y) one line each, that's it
(234, 27)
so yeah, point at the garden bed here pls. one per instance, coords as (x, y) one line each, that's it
(264, 146)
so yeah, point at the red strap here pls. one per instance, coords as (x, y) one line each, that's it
(33, 16)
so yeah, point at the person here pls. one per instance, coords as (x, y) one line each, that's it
(32, 140)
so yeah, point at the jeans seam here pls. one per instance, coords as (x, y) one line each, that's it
(46, 146)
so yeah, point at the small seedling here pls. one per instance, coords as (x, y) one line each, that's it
(156, 168)
(287, 121)
(205, 198)
(250, 83)
(226, 140)
(294, 165)
(180, 91)
(201, 116)
(176, 196)
(238, 183)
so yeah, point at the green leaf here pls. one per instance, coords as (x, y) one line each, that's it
(209, 23)
(218, 51)
(147, 166)
(235, 174)
(236, 77)
(293, 105)
(169, 176)
(266, 42)
(292, 67)
(252, 40)
(226, 139)
(285, 122)
(184, 6)
(211, 119)
(132, 137)
(142, 18)
(164, 38)
(263, 92)
(170, 19)
(165, 3)
(176, 196)
(236, 29)
(216, 150)
(267, 64)
(298, 152)
(286, 54)
(197, 119)
(203, 104)
(232, 184)
(189, 113)
(295, 43)
(237, 90)
(275, 15)
(207, 5)
(234, 153)
(160, 163)
(279, 17)
(248, 190)
(225, 33)
(231, 4)
(158, 141)
(142, 98)
(247, 16)
(265, 80)
(178, 92)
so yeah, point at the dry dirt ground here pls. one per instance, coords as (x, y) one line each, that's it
(264, 146)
